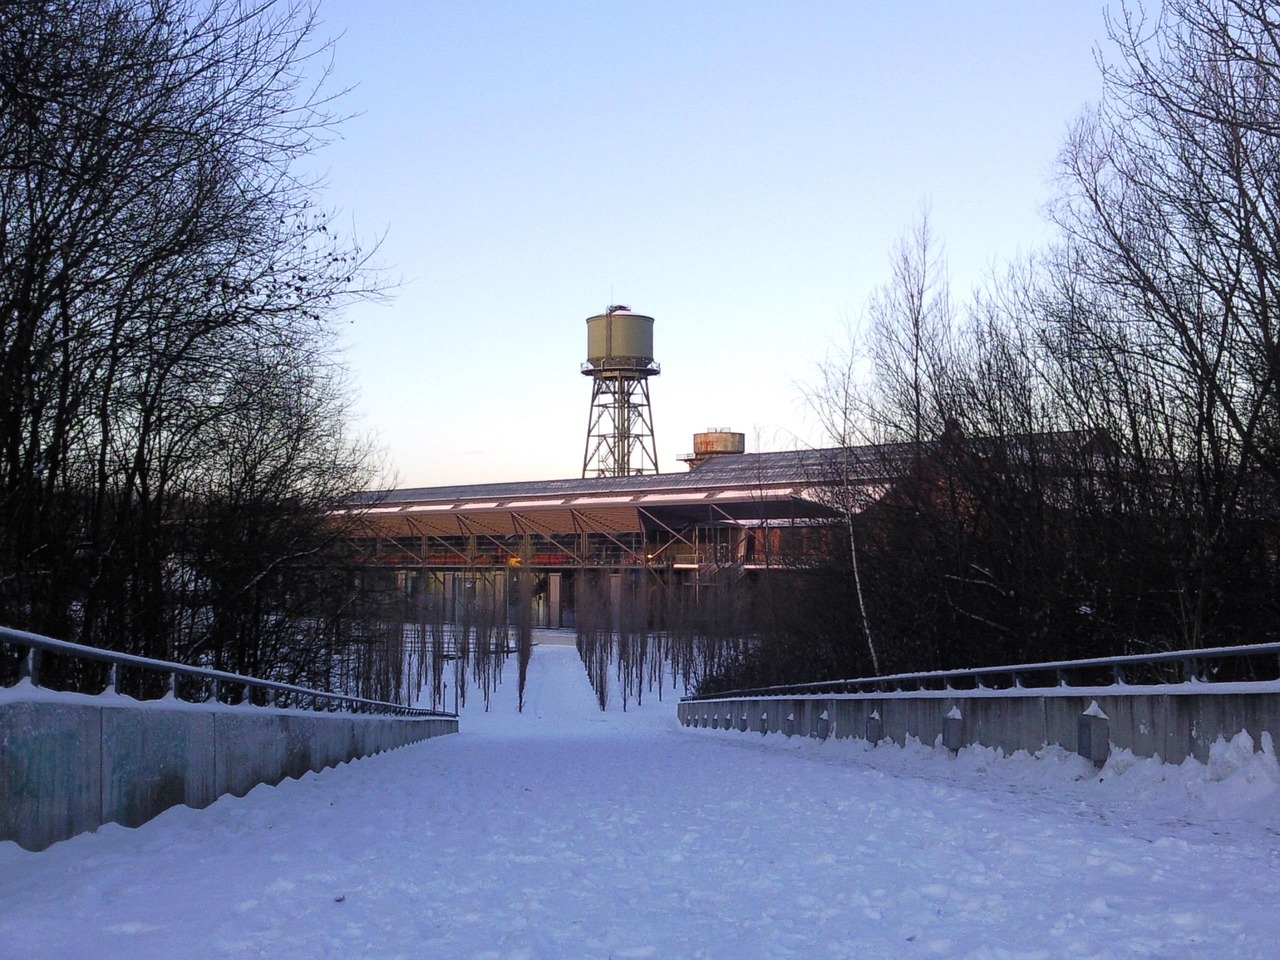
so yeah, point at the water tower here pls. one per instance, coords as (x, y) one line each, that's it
(620, 363)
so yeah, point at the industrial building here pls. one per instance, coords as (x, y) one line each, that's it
(731, 515)
(624, 526)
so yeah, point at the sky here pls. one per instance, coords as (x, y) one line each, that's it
(737, 170)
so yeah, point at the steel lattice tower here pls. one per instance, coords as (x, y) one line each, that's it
(620, 425)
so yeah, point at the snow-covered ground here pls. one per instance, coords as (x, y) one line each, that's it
(566, 833)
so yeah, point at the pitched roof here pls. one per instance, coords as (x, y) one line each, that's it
(749, 486)
(731, 471)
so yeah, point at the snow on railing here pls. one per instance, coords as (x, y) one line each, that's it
(276, 693)
(1119, 669)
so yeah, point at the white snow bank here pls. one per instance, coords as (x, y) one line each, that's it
(1239, 784)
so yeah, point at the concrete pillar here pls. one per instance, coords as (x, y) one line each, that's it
(554, 619)
(822, 726)
(1093, 735)
(875, 728)
(615, 601)
(953, 730)
(500, 594)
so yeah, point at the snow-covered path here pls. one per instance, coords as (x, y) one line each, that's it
(565, 833)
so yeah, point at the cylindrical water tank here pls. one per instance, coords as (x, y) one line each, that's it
(620, 340)
(714, 442)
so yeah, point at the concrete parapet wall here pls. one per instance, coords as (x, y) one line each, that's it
(71, 765)
(1170, 722)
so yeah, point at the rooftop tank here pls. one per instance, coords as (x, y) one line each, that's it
(719, 441)
(714, 443)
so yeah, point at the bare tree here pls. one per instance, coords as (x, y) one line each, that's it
(1170, 214)
(166, 276)
(1086, 460)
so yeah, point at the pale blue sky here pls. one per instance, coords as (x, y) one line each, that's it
(739, 171)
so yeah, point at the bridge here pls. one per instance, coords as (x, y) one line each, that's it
(568, 832)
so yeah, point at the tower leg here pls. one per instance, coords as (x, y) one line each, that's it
(620, 438)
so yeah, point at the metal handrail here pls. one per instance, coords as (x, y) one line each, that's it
(35, 644)
(1190, 659)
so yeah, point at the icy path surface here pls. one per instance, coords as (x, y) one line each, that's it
(568, 833)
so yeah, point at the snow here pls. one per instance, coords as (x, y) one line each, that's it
(954, 714)
(570, 833)
(1094, 710)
